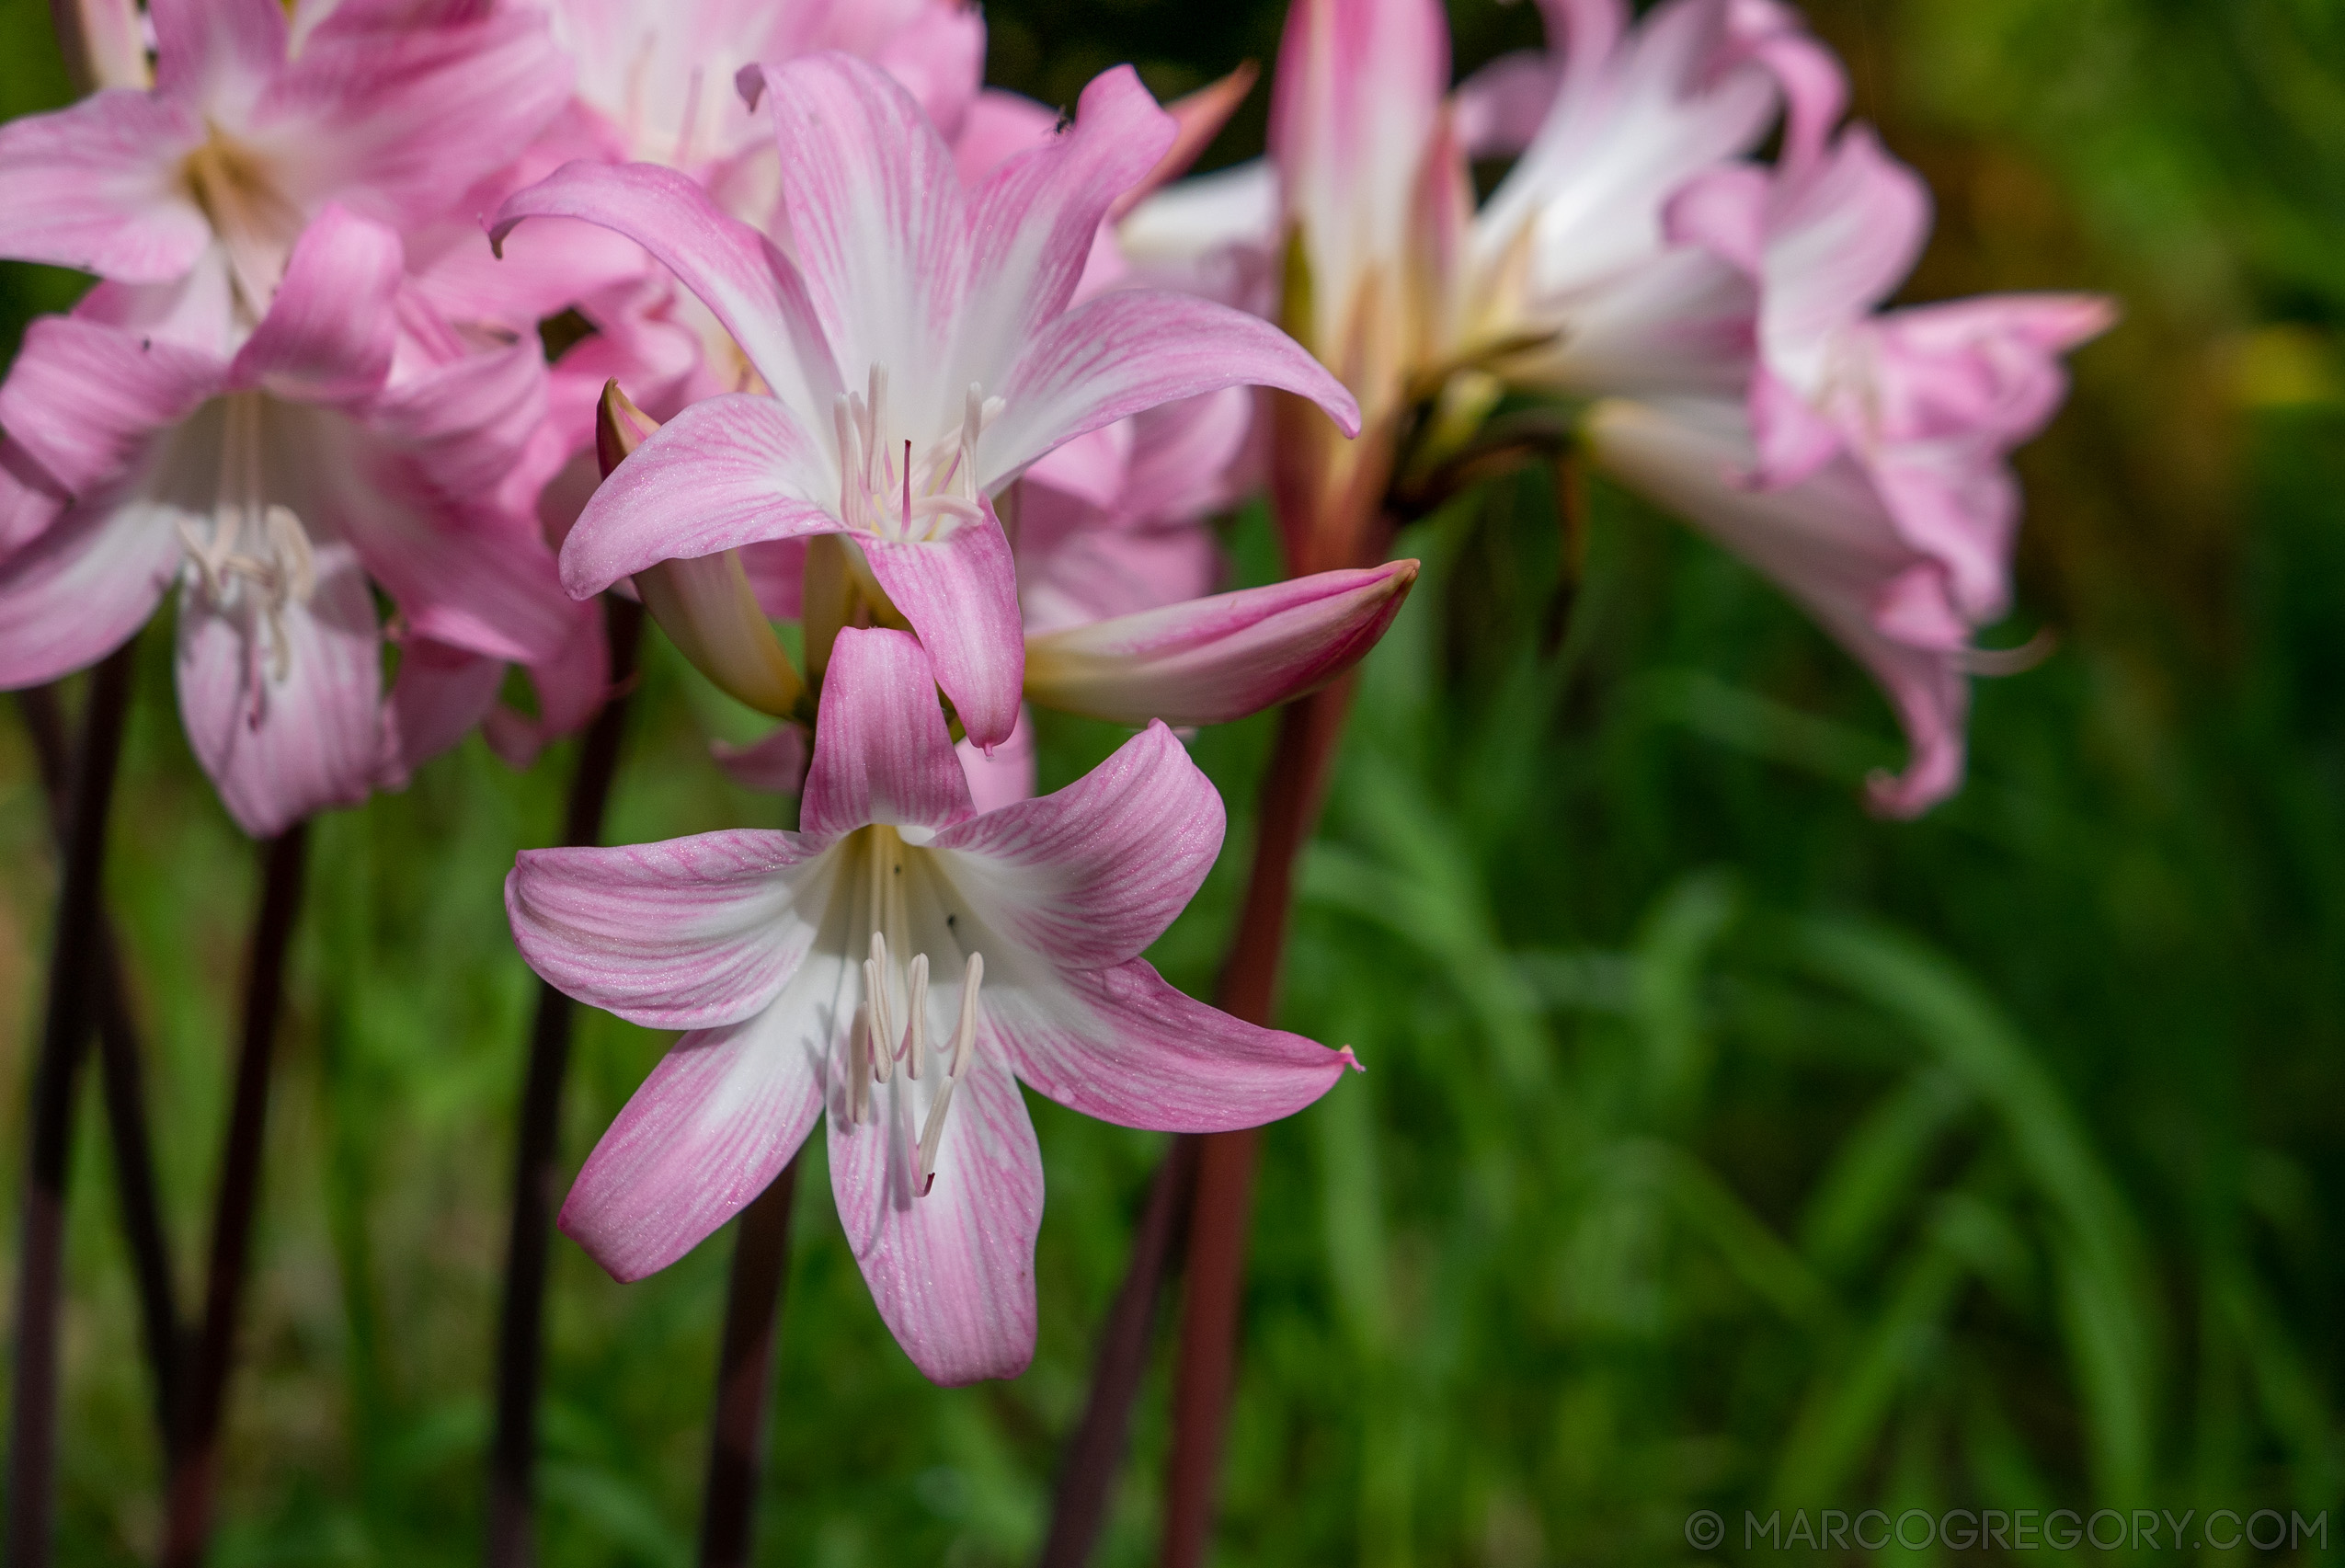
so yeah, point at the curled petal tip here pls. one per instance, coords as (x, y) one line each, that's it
(1211, 661)
(1350, 1060)
(620, 426)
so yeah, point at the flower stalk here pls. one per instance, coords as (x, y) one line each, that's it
(122, 1078)
(1087, 1481)
(521, 1333)
(745, 1374)
(74, 971)
(195, 1459)
(1221, 1210)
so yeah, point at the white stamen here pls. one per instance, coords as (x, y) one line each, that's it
(916, 1031)
(858, 1069)
(256, 548)
(684, 157)
(964, 1046)
(891, 489)
(883, 1023)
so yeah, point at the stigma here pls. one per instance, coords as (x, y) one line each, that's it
(894, 491)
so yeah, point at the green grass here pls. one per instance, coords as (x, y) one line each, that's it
(1719, 1146)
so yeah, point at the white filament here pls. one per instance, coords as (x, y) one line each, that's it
(873, 1050)
(256, 546)
(890, 490)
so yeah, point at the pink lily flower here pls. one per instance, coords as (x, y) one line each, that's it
(274, 485)
(1571, 259)
(1117, 623)
(901, 963)
(655, 84)
(1828, 540)
(259, 118)
(659, 76)
(945, 311)
(1562, 281)
(1930, 399)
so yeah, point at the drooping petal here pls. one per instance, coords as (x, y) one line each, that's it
(751, 289)
(87, 402)
(881, 749)
(1839, 242)
(709, 1129)
(1121, 1045)
(878, 223)
(95, 187)
(332, 324)
(952, 1271)
(1131, 350)
(1035, 218)
(686, 935)
(728, 471)
(441, 695)
(1092, 874)
(1212, 661)
(477, 579)
(401, 118)
(571, 689)
(1004, 776)
(1830, 544)
(282, 746)
(961, 595)
(81, 588)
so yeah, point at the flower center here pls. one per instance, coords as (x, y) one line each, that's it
(893, 1037)
(890, 491)
(257, 551)
(256, 222)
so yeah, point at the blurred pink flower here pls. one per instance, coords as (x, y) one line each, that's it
(1827, 540)
(948, 312)
(332, 450)
(198, 188)
(901, 962)
(1930, 399)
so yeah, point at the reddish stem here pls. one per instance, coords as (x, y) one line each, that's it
(745, 1374)
(1292, 791)
(1094, 1455)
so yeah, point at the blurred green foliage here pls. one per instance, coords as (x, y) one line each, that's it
(1721, 1147)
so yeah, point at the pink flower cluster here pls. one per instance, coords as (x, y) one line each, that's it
(1719, 319)
(848, 340)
